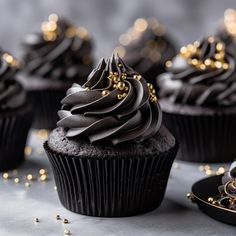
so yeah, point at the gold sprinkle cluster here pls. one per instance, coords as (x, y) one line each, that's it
(11, 61)
(51, 31)
(230, 22)
(191, 53)
(118, 82)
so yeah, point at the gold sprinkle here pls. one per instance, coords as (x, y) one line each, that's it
(29, 177)
(202, 67)
(36, 220)
(210, 199)
(218, 64)
(207, 62)
(219, 46)
(126, 89)
(65, 221)
(28, 150)
(140, 24)
(42, 171)
(5, 175)
(105, 93)
(121, 85)
(67, 232)
(43, 178)
(169, 64)
(119, 96)
(17, 180)
(209, 172)
(53, 17)
(220, 171)
(120, 65)
(225, 66)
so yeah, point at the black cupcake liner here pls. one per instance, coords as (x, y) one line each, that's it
(46, 104)
(204, 138)
(111, 187)
(14, 127)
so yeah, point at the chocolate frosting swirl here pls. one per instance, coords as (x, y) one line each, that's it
(61, 51)
(146, 47)
(12, 94)
(115, 105)
(228, 188)
(203, 74)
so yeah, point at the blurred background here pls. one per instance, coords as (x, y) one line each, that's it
(186, 20)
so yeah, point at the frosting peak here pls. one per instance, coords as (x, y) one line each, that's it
(60, 51)
(12, 94)
(115, 105)
(202, 74)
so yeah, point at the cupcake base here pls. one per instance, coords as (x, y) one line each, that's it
(205, 134)
(14, 127)
(102, 180)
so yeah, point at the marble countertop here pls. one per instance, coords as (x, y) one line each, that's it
(21, 204)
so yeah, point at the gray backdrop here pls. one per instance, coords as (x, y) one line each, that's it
(187, 20)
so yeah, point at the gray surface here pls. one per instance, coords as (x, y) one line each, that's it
(176, 216)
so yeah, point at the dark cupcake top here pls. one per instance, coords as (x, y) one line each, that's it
(60, 51)
(116, 104)
(227, 30)
(202, 74)
(228, 188)
(12, 94)
(146, 47)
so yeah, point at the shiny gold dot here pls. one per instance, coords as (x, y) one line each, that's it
(220, 171)
(218, 64)
(210, 199)
(225, 66)
(30, 177)
(17, 180)
(65, 221)
(120, 65)
(5, 175)
(36, 220)
(126, 89)
(121, 85)
(28, 150)
(43, 178)
(67, 232)
(119, 96)
(27, 184)
(169, 64)
(202, 67)
(207, 62)
(53, 17)
(116, 79)
(140, 24)
(209, 172)
(42, 171)
(219, 46)
(105, 93)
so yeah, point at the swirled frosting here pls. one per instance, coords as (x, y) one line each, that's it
(116, 104)
(146, 47)
(12, 94)
(60, 51)
(228, 188)
(202, 74)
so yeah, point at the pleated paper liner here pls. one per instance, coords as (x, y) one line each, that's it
(46, 104)
(14, 127)
(204, 138)
(111, 187)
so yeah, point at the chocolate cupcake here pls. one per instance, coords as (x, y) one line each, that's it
(110, 155)
(227, 30)
(15, 114)
(198, 98)
(228, 189)
(55, 58)
(146, 46)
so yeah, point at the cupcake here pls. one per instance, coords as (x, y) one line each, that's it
(110, 154)
(55, 58)
(228, 189)
(146, 46)
(227, 30)
(15, 114)
(198, 99)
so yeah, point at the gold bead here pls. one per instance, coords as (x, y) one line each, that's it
(121, 85)
(27, 184)
(219, 46)
(169, 64)
(28, 150)
(116, 79)
(126, 89)
(225, 66)
(67, 232)
(153, 91)
(119, 96)
(120, 65)
(29, 177)
(36, 220)
(42, 171)
(5, 175)
(65, 221)
(218, 64)
(135, 76)
(150, 85)
(196, 44)
(209, 172)
(17, 180)
(207, 62)
(202, 67)
(114, 86)
(183, 50)
(220, 171)
(58, 217)
(139, 77)
(105, 93)
(43, 178)
(210, 199)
